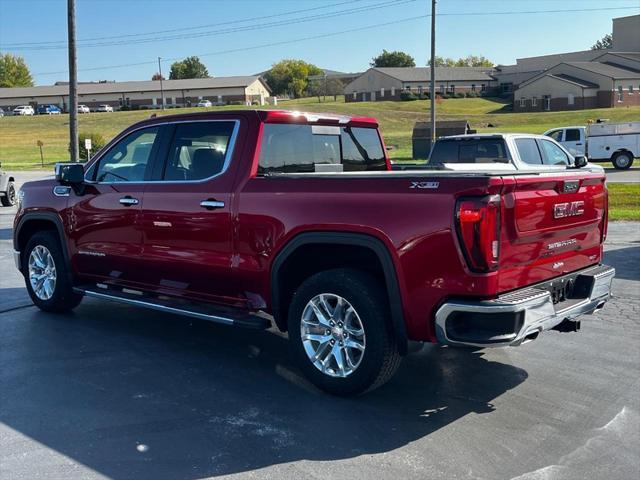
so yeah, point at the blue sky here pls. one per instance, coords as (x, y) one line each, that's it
(256, 23)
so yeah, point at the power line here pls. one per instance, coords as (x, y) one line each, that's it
(312, 18)
(341, 32)
(184, 36)
(197, 27)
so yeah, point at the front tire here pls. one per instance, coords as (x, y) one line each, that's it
(9, 199)
(340, 333)
(47, 276)
(622, 160)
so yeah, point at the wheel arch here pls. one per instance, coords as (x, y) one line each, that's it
(31, 223)
(366, 248)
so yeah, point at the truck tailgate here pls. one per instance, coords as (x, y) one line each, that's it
(553, 224)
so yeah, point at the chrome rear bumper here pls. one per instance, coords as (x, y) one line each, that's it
(16, 260)
(517, 316)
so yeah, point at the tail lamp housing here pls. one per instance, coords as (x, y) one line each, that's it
(478, 228)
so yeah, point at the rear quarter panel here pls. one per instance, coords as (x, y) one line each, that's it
(415, 225)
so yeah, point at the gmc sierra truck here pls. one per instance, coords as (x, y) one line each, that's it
(250, 217)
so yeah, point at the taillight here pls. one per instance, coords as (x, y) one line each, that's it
(478, 225)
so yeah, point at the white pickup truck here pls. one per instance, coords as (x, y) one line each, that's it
(618, 143)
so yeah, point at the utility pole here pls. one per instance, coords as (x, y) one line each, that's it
(161, 89)
(432, 89)
(73, 81)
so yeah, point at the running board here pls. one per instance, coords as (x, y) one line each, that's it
(201, 311)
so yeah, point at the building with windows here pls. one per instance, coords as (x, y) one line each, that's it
(144, 94)
(380, 84)
(610, 80)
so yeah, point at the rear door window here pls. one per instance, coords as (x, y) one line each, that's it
(572, 135)
(528, 150)
(290, 148)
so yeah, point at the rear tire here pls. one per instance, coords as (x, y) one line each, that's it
(349, 302)
(622, 160)
(47, 276)
(9, 199)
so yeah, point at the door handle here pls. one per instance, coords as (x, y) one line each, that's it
(577, 144)
(211, 204)
(129, 201)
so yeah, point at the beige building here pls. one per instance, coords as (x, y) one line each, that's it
(610, 80)
(379, 84)
(145, 94)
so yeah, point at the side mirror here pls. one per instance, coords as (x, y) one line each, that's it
(69, 173)
(580, 161)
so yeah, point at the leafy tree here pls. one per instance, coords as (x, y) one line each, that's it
(190, 67)
(290, 76)
(604, 43)
(468, 61)
(323, 87)
(393, 59)
(14, 72)
(157, 76)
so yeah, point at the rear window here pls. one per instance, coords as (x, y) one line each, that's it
(483, 150)
(290, 148)
(528, 151)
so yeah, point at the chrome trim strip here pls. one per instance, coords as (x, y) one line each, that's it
(16, 259)
(155, 306)
(227, 156)
(540, 312)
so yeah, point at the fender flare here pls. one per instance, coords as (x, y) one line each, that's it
(352, 239)
(45, 216)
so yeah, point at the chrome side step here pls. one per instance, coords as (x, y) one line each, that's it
(195, 310)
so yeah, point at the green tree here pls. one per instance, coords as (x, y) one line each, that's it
(328, 86)
(14, 72)
(468, 61)
(604, 43)
(290, 76)
(190, 67)
(393, 59)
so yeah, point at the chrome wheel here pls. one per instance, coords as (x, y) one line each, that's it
(42, 272)
(332, 335)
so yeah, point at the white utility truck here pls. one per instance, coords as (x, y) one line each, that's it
(618, 143)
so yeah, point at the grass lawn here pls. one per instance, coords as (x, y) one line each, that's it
(19, 135)
(624, 201)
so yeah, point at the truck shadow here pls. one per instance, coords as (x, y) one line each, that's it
(136, 394)
(6, 233)
(626, 262)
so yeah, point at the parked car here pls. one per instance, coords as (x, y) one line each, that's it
(261, 216)
(83, 109)
(1, 112)
(205, 103)
(23, 110)
(104, 108)
(618, 143)
(515, 151)
(48, 110)
(7, 189)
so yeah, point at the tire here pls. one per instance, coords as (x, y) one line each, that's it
(363, 369)
(622, 160)
(9, 199)
(56, 296)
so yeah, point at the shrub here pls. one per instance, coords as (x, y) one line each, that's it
(408, 96)
(472, 94)
(458, 95)
(125, 108)
(97, 142)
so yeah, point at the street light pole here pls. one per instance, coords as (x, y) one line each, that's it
(73, 81)
(161, 89)
(432, 89)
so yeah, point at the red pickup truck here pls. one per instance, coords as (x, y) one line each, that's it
(249, 217)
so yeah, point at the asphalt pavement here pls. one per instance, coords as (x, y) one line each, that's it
(112, 391)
